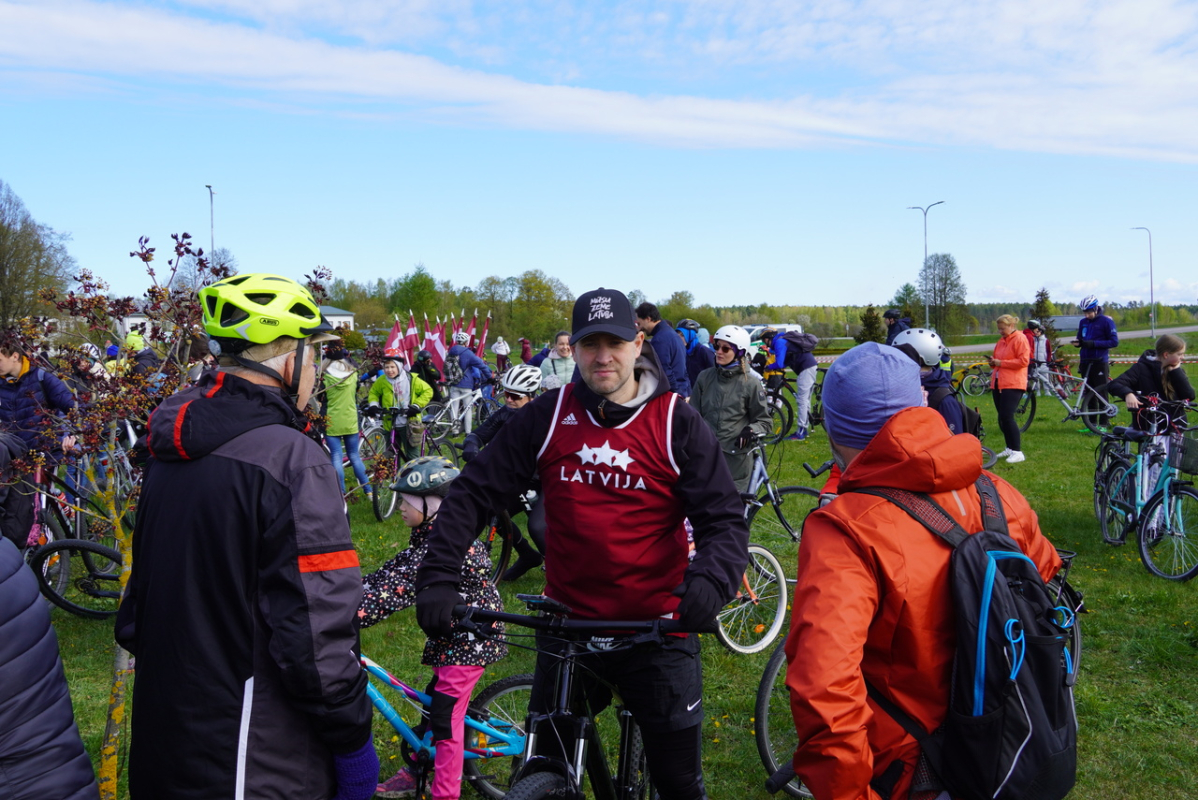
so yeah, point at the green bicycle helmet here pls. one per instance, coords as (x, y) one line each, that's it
(257, 308)
(426, 475)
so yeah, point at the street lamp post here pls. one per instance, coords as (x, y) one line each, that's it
(927, 318)
(211, 222)
(1151, 286)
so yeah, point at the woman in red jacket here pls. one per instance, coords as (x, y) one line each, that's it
(1008, 382)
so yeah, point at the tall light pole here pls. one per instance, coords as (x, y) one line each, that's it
(927, 318)
(211, 222)
(1151, 287)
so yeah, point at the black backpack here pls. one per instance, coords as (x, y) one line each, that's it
(797, 344)
(453, 371)
(1011, 728)
(971, 418)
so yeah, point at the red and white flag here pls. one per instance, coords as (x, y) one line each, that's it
(394, 338)
(439, 347)
(482, 338)
(430, 342)
(411, 339)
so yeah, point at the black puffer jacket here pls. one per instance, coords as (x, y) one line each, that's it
(242, 606)
(1145, 377)
(41, 754)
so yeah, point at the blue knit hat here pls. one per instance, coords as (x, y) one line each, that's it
(864, 388)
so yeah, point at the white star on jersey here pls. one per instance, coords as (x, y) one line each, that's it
(605, 455)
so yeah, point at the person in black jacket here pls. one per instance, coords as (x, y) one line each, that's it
(1158, 372)
(43, 756)
(623, 462)
(242, 605)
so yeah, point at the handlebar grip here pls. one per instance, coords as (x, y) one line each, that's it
(784, 775)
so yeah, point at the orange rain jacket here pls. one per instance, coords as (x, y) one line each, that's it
(1015, 354)
(873, 602)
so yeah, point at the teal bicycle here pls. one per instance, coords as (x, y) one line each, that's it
(1147, 495)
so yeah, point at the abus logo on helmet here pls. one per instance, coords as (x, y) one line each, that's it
(600, 309)
(268, 321)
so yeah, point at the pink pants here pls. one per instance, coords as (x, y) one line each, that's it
(457, 682)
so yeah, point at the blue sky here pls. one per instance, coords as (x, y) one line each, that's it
(746, 151)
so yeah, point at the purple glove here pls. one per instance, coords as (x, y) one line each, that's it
(357, 773)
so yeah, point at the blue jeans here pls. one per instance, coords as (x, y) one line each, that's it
(351, 445)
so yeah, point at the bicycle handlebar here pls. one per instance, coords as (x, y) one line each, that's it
(560, 624)
(824, 467)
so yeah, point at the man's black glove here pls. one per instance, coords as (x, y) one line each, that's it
(701, 601)
(746, 438)
(412, 410)
(374, 411)
(470, 448)
(434, 608)
(773, 382)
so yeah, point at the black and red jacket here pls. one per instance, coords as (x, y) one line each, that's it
(242, 606)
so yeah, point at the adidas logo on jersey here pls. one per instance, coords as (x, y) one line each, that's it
(570, 420)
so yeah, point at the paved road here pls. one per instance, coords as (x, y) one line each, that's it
(1066, 337)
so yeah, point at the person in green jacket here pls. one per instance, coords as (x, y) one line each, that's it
(341, 435)
(731, 399)
(398, 388)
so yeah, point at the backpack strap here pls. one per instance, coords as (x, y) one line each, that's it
(927, 512)
(936, 397)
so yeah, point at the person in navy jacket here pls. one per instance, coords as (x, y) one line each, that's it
(1096, 335)
(667, 345)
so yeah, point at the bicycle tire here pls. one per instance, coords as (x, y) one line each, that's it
(373, 445)
(1093, 413)
(1168, 535)
(774, 727)
(782, 417)
(437, 421)
(989, 457)
(815, 414)
(503, 703)
(445, 450)
(86, 592)
(1117, 519)
(384, 499)
(775, 526)
(974, 385)
(754, 618)
(538, 786)
(1070, 598)
(497, 539)
(1025, 412)
(54, 574)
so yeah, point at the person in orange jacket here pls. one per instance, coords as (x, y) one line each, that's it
(872, 601)
(1008, 382)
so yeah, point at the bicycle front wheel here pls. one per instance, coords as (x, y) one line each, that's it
(989, 457)
(755, 616)
(384, 498)
(497, 539)
(1169, 533)
(781, 525)
(53, 573)
(1095, 412)
(538, 786)
(775, 728)
(1025, 412)
(92, 572)
(504, 706)
(815, 416)
(782, 417)
(1117, 503)
(974, 385)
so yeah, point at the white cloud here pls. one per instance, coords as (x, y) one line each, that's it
(1072, 77)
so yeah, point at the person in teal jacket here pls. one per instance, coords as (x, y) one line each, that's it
(341, 434)
(398, 388)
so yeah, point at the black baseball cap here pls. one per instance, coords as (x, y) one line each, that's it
(603, 311)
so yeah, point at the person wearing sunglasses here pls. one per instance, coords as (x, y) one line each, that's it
(520, 384)
(731, 399)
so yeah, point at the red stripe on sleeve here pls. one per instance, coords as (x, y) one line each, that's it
(321, 562)
(179, 431)
(216, 387)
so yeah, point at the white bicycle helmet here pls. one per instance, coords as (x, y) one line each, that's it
(923, 345)
(461, 337)
(1088, 303)
(734, 335)
(522, 379)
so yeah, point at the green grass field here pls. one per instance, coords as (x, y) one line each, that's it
(1137, 697)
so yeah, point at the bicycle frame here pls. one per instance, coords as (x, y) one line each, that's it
(513, 741)
(1055, 383)
(1146, 486)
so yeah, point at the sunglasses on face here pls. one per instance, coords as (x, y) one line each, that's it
(514, 396)
(724, 348)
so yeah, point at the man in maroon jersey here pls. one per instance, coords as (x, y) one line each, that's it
(622, 462)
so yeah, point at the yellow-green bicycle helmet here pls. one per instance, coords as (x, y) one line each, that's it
(258, 308)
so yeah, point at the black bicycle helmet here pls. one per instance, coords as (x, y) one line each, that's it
(688, 324)
(1034, 325)
(424, 355)
(892, 313)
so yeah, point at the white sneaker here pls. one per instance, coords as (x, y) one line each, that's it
(1005, 453)
(1016, 456)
